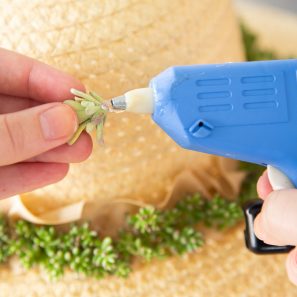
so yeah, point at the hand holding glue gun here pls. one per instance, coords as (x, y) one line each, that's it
(245, 111)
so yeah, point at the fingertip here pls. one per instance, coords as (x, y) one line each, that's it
(291, 266)
(26, 177)
(50, 84)
(277, 220)
(82, 148)
(49, 173)
(78, 152)
(65, 84)
(263, 186)
(61, 170)
(25, 77)
(257, 228)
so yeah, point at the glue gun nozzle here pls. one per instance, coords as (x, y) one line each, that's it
(137, 101)
(119, 103)
(116, 104)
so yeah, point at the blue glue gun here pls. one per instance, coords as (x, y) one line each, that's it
(245, 111)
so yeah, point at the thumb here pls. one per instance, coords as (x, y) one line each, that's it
(276, 224)
(291, 266)
(33, 131)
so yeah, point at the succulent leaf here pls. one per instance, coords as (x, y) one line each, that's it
(90, 114)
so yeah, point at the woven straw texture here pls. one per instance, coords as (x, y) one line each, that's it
(114, 46)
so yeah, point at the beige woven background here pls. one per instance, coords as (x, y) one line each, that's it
(114, 46)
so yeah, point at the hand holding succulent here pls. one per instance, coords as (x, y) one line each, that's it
(35, 125)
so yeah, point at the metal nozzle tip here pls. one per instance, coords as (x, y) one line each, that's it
(119, 103)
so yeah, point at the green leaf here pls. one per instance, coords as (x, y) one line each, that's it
(97, 97)
(74, 104)
(90, 127)
(145, 220)
(77, 133)
(90, 113)
(99, 133)
(83, 95)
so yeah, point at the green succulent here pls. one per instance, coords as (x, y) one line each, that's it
(91, 114)
(150, 233)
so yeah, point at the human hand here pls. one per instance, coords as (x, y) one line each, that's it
(35, 125)
(277, 222)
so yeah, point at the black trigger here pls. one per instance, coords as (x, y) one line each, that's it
(254, 244)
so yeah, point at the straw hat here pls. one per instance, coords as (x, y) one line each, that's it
(114, 46)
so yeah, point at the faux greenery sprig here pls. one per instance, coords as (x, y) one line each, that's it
(90, 113)
(5, 240)
(150, 233)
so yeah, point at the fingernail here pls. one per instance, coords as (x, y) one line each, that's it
(57, 122)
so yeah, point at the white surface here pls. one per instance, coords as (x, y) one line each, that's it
(290, 5)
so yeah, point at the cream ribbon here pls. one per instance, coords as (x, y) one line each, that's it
(226, 179)
(16, 208)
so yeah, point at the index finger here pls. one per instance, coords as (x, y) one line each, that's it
(26, 77)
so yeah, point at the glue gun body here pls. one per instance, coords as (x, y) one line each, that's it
(245, 111)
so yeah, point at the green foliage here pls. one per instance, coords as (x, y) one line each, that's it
(252, 49)
(150, 233)
(249, 186)
(221, 213)
(145, 221)
(4, 240)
